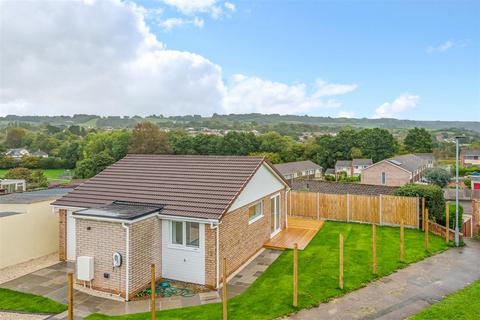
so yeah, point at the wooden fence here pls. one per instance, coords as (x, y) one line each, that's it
(383, 209)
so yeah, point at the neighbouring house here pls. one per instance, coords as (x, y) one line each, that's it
(470, 157)
(17, 153)
(12, 186)
(428, 157)
(396, 171)
(352, 167)
(40, 154)
(299, 169)
(28, 227)
(183, 213)
(330, 172)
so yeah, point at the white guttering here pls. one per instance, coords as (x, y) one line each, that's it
(127, 262)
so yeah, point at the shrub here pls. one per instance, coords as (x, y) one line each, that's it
(438, 176)
(468, 183)
(463, 171)
(451, 216)
(34, 179)
(434, 199)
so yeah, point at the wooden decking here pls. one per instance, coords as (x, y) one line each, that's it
(300, 231)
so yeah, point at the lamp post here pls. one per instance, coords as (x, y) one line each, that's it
(457, 236)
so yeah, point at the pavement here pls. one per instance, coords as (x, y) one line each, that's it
(51, 282)
(406, 292)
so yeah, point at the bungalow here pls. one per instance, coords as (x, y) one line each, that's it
(470, 157)
(396, 171)
(299, 169)
(17, 153)
(182, 213)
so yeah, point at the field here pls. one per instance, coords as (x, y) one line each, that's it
(51, 174)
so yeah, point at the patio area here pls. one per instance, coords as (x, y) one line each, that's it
(300, 231)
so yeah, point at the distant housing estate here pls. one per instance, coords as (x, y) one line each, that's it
(398, 170)
(299, 169)
(470, 157)
(19, 153)
(352, 167)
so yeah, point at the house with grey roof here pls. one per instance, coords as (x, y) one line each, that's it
(181, 212)
(299, 169)
(470, 157)
(17, 153)
(396, 171)
(351, 167)
(39, 153)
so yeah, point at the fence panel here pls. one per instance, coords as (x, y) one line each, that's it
(389, 210)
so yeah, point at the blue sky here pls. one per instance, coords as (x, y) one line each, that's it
(382, 46)
(402, 59)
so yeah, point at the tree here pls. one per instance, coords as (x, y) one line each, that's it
(438, 176)
(148, 139)
(14, 137)
(34, 179)
(377, 144)
(273, 157)
(418, 140)
(89, 167)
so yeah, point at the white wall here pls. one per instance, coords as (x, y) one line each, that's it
(29, 235)
(263, 183)
(184, 264)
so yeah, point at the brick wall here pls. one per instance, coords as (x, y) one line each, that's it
(394, 175)
(239, 240)
(441, 231)
(145, 249)
(100, 242)
(62, 234)
(476, 216)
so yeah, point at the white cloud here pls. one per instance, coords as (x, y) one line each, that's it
(447, 45)
(253, 94)
(345, 114)
(191, 7)
(230, 6)
(170, 23)
(101, 58)
(401, 104)
(332, 89)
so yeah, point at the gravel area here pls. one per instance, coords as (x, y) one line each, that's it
(21, 316)
(21, 269)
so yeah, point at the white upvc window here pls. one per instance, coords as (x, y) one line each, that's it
(255, 212)
(384, 177)
(185, 234)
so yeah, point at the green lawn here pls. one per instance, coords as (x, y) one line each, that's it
(14, 300)
(271, 295)
(51, 174)
(463, 304)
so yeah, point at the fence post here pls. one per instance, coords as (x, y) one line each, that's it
(380, 210)
(340, 277)
(426, 229)
(423, 213)
(290, 209)
(295, 275)
(348, 207)
(224, 289)
(447, 223)
(318, 206)
(152, 288)
(402, 243)
(374, 247)
(70, 296)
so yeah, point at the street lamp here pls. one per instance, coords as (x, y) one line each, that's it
(457, 236)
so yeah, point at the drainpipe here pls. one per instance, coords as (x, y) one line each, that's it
(217, 252)
(127, 262)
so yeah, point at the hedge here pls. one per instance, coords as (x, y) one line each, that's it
(434, 199)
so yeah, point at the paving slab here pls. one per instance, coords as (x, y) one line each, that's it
(407, 291)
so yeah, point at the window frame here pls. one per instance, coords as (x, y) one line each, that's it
(184, 245)
(383, 178)
(255, 218)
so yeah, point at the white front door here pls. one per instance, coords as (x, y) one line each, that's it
(275, 214)
(183, 251)
(70, 237)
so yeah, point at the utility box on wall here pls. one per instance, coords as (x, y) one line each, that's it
(85, 268)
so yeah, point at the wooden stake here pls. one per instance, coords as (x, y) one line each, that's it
(374, 247)
(402, 243)
(70, 296)
(224, 289)
(447, 224)
(152, 288)
(340, 278)
(295, 275)
(426, 229)
(423, 213)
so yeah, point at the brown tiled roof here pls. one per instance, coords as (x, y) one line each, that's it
(191, 186)
(341, 187)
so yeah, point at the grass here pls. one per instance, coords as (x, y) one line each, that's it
(51, 174)
(19, 301)
(271, 295)
(463, 304)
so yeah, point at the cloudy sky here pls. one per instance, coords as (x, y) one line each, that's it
(404, 59)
